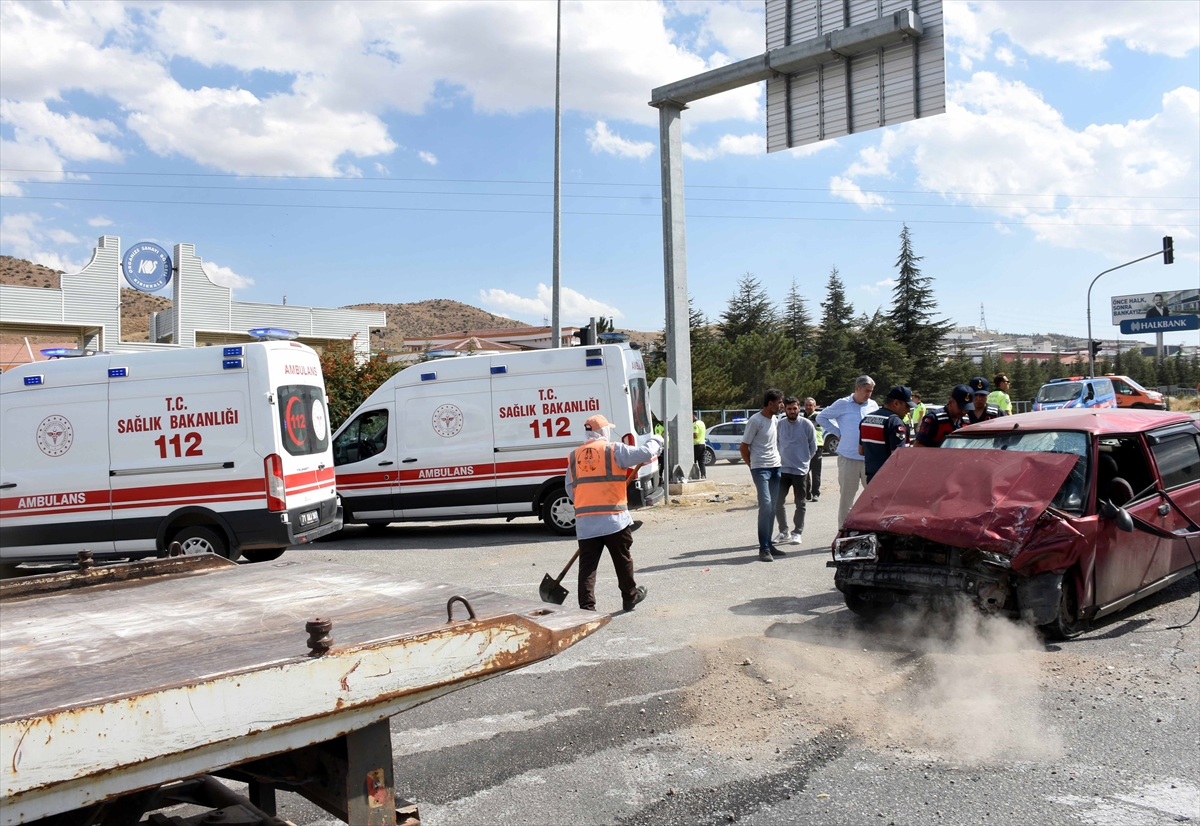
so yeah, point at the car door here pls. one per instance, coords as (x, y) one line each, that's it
(1177, 459)
(1124, 560)
(364, 453)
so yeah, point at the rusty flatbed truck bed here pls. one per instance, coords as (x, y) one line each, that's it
(122, 679)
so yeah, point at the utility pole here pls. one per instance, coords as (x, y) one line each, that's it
(556, 287)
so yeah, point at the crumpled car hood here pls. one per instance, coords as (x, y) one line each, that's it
(989, 499)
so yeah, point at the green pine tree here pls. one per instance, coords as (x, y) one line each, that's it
(835, 361)
(878, 354)
(912, 316)
(797, 321)
(750, 309)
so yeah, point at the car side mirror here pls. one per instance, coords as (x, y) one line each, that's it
(1121, 516)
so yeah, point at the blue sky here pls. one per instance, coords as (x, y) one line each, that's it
(1071, 143)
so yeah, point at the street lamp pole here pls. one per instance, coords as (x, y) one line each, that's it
(1091, 355)
(556, 275)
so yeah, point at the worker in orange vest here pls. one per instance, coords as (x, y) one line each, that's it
(597, 474)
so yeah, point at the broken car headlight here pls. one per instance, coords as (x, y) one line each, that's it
(863, 547)
(992, 558)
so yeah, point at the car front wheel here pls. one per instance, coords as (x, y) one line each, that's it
(831, 445)
(1067, 623)
(857, 601)
(709, 456)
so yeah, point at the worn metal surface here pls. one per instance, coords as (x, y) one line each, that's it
(133, 684)
(989, 499)
(40, 584)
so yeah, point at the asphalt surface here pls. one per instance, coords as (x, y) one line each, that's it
(744, 692)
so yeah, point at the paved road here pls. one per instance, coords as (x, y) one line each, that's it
(745, 692)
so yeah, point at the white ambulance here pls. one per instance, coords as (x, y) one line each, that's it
(489, 436)
(222, 449)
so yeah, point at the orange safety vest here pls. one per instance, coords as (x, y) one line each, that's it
(599, 483)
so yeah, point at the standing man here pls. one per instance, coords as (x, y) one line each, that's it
(812, 481)
(935, 427)
(760, 450)
(980, 410)
(597, 474)
(842, 419)
(913, 419)
(884, 432)
(698, 431)
(999, 396)
(797, 446)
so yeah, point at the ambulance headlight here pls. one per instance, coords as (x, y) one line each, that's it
(861, 548)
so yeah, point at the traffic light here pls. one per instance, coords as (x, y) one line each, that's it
(1168, 249)
(584, 336)
(1095, 349)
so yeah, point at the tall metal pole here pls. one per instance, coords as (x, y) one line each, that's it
(1091, 358)
(555, 321)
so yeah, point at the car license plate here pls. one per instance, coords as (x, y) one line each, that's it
(309, 518)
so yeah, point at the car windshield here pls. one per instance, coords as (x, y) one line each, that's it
(1070, 495)
(1064, 392)
(1134, 384)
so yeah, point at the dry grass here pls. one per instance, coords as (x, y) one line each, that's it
(1188, 405)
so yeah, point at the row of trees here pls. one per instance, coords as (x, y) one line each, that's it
(756, 344)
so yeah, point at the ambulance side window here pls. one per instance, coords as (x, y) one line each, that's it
(637, 396)
(363, 438)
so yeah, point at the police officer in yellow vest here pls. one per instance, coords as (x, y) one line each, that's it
(597, 474)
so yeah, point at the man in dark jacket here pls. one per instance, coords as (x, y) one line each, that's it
(883, 432)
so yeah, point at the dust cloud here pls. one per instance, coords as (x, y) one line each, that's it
(958, 685)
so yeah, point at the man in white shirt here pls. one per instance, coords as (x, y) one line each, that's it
(760, 450)
(842, 419)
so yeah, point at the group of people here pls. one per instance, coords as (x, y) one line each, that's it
(781, 452)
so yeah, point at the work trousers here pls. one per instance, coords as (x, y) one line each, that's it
(852, 474)
(698, 457)
(590, 550)
(766, 484)
(812, 481)
(796, 484)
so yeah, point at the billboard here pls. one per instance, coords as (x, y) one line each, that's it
(1160, 304)
(842, 93)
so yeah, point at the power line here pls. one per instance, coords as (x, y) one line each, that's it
(603, 214)
(581, 183)
(604, 197)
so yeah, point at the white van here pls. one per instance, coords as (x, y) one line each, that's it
(489, 435)
(222, 449)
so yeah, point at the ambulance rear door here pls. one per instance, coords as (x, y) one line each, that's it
(540, 401)
(54, 483)
(444, 441)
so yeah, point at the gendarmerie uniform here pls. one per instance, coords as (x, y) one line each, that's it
(992, 411)
(881, 433)
(935, 427)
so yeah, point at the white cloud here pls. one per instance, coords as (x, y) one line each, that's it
(1078, 32)
(225, 276)
(846, 189)
(1002, 149)
(752, 144)
(27, 235)
(602, 140)
(428, 157)
(874, 288)
(575, 308)
(382, 170)
(99, 221)
(1005, 55)
(738, 27)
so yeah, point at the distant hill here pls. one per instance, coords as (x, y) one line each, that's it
(430, 318)
(22, 273)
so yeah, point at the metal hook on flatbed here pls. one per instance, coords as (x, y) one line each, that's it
(450, 607)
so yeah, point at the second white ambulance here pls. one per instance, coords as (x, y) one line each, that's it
(489, 435)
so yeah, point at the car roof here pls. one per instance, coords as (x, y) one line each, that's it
(1090, 420)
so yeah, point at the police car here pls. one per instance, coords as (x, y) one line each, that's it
(723, 441)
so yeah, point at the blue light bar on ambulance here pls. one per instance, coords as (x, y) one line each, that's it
(499, 368)
(428, 376)
(231, 364)
(118, 372)
(273, 333)
(595, 362)
(63, 353)
(232, 351)
(30, 381)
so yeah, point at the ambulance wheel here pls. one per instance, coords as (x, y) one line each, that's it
(559, 513)
(197, 539)
(263, 554)
(710, 458)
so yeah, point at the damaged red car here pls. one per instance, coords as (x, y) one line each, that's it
(1057, 517)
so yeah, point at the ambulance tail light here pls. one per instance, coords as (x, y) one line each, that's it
(276, 486)
(629, 439)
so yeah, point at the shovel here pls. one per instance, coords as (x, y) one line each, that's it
(551, 590)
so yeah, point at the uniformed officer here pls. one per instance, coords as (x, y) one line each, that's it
(935, 427)
(597, 474)
(980, 410)
(999, 396)
(913, 419)
(883, 432)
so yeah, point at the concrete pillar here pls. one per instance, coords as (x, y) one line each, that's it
(679, 342)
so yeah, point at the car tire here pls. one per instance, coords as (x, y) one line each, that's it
(831, 445)
(198, 539)
(1067, 624)
(263, 554)
(866, 608)
(1138, 406)
(710, 457)
(558, 513)
(735, 461)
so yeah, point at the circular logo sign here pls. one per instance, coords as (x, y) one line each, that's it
(447, 420)
(147, 267)
(297, 422)
(318, 420)
(55, 435)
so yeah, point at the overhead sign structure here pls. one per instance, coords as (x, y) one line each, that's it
(833, 67)
(1167, 324)
(147, 267)
(1162, 304)
(846, 66)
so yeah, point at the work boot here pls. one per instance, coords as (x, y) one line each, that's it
(638, 596)
(765, 556)
(776, 552)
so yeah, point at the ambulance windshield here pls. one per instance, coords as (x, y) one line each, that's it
(303, 422)
(638, 398)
